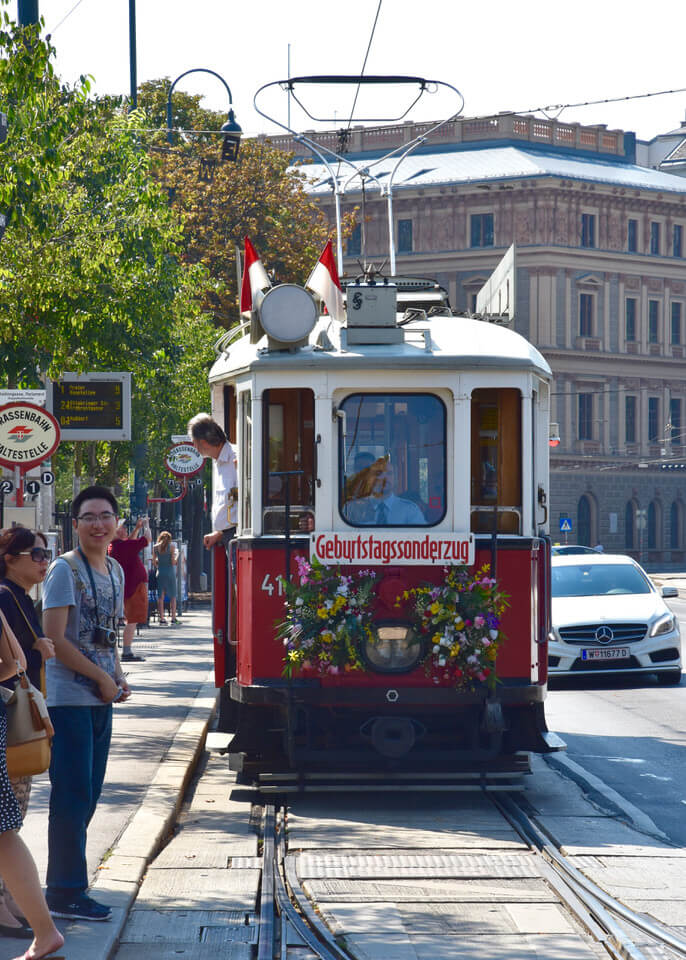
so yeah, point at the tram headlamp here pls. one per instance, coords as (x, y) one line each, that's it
(392, 648)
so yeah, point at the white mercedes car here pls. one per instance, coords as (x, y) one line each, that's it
(608, 616)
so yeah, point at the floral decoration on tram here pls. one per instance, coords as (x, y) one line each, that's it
(460, 620)
(327, 612)
(452, 628)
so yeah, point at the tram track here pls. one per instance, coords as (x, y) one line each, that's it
(288, 915)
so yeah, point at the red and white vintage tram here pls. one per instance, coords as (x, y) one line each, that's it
(452, 413)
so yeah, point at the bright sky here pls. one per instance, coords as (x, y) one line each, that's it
(502, 56)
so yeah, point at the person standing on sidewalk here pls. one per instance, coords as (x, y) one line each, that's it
(82, 600)
(209, 440)
(165, 558)
(126, 550)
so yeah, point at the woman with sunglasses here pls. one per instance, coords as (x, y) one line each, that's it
(24, 560)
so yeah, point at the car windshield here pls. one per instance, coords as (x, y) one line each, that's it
(598, 580)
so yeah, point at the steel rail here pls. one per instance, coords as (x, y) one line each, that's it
(311, 931)
(598, 900)
(267, 927)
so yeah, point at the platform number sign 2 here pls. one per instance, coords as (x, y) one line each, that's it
(6, 487)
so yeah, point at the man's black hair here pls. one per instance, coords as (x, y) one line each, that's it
(94, 493)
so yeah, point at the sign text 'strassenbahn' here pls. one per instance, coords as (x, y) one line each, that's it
(393, 547)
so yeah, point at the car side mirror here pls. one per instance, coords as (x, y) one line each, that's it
(667, 592)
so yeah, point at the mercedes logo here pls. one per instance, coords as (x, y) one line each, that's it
(604, 635)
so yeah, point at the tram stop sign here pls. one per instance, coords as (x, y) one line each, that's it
(28, 435)
(183, 460)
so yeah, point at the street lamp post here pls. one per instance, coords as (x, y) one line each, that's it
(231, 130)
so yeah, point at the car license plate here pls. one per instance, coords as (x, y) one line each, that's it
(605, 653)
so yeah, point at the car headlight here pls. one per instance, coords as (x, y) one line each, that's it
(665, 624)
(392, 648)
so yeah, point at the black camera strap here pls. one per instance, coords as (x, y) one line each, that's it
(95, 592)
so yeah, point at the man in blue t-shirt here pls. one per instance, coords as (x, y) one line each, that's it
(82, 600)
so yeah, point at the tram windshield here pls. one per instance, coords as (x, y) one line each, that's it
(392, 460)
(288, 455)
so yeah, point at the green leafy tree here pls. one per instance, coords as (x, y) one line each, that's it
(91, 273)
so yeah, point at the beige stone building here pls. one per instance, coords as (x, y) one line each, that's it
(600, 290)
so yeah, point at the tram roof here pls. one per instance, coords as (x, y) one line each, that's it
(456, 343)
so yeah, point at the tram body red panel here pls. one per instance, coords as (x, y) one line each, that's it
(520, 572)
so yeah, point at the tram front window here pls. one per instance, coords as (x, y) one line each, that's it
(392, 452)
(288, 456)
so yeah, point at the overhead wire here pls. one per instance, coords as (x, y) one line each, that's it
(66, 16)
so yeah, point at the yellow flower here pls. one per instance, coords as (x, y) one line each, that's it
(436, 638)
(435, 607)
(322, 613)
(455, 649)
(492, 653)
(459, 623)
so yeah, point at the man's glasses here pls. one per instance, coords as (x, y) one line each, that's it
(37, 553)
(106, 517)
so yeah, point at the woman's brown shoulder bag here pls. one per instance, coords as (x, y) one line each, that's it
(29, 730)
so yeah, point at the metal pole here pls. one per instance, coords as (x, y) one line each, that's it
(289, 89)
(132, 54)
(27, 12)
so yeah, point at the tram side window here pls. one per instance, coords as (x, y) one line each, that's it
(392, 460)
(288, 459)
(496, 462)
(245, 460)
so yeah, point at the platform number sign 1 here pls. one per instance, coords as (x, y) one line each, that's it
(32, 487)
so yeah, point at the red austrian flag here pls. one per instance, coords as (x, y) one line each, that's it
(325, 283)
(254, 277)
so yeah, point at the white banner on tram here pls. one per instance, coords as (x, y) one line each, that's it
(387, 547)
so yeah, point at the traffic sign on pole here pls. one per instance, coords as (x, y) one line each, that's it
(565, 525)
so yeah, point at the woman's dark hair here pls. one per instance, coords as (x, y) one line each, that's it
(94, 493)
(14, 541)
(203, 427)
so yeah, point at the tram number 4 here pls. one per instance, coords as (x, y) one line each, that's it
(269, 585)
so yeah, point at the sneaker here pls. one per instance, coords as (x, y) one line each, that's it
(81, 907)
(131, 658)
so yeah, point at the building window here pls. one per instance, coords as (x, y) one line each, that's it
(677, 240)
(675, 420)
(404, 236)
(583, 520)
(676, 322)
(629, 520)
(632, 236)
(354, 246)
(653, 419)
(655, 238)
(630, 419)
(653, 321)
(653, 529)
(481, 225)
(585, 416)
(675, 526)
(630, 315)
(588, 230)
(585, 314)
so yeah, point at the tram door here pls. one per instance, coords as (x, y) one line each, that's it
(496, 461)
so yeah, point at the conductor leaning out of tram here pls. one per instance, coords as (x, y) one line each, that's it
(372, 499)
(209, 440)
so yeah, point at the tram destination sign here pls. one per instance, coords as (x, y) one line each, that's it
(393, 547)
(92, 406)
